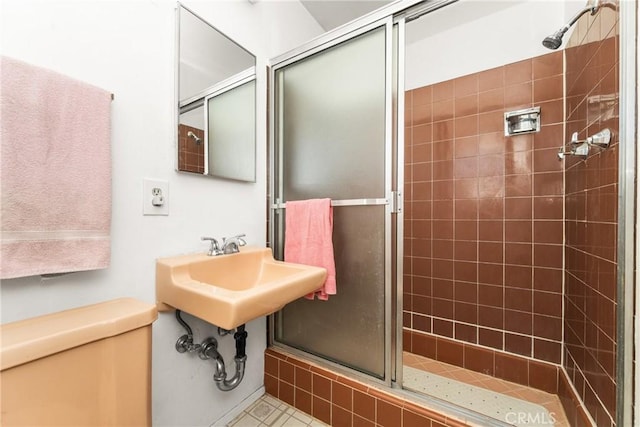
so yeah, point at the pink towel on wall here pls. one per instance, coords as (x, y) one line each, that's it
(308, 239)
(56, 172)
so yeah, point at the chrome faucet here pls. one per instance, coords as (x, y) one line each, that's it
(214, 249)
(232, 244)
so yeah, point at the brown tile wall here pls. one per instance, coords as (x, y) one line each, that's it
(340, 401)
(591, 216)
(484, 212)
(190, 154)
(525, 371)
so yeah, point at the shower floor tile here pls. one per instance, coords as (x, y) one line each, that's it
(271, 412)
(443, 371)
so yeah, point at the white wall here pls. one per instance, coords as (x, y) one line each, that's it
(127, 47)
(475, 35)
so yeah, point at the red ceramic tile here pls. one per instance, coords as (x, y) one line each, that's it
(548, 88)
(465, 86)
(518, 321)
(491, 143)
(518, 72)
(550, 135)
(388, 415)
(546, 160)
(491, 187)
(466, 146)
(547, 65)
(421, 96)
(411, 419)
(466, 106)
(286, 393)
(303, 401)
(518, 299)
(341, 417)
(518, 344)
(321, 387)
(491, 100)
(364, 405)
(519, 143)
(491, 79)
(421, 134)
(443, 130)
(303, 379)
(519, 208)
(271, 385)
(443, 90)
(491, 231)
(512, 368)
(491, 274)
(321, 410)
(490, 122)
(518, 231)
(549, 351)
(491, 338)
(443, 110)
(520, 162)
(450, 352)
(287, 372)
(491, 165)
(518, 253)
(466, 167)
(518, 185)
(466, 333)
(466, 126)
(491, 317)
(548, 327)
(466, 188)
(443, 328)
(518, 96)
(420, 115)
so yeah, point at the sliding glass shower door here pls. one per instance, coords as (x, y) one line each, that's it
(332, 129)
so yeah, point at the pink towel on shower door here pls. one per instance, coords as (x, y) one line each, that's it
(308, 239)
(56, 172)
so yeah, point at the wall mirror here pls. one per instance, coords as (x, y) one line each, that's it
(216, 92)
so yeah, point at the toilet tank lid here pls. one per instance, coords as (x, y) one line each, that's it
(41, 336)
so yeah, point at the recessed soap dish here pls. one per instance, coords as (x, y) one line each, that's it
(522, 121)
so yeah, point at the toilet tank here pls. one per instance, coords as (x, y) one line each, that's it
(89, 366)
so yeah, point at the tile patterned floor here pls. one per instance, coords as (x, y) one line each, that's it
(546, 400)
(269, 411)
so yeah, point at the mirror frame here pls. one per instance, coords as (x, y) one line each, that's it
(200, 100)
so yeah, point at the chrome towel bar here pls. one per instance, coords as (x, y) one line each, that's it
(345, 202)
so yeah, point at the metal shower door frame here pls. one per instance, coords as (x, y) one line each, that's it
(390, 200)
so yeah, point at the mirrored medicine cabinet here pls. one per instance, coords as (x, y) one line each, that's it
(216, 92)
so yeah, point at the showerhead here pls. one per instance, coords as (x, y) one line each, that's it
(195, 137)
(554, 40)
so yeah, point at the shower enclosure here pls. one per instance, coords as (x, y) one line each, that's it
(341, 137)
(458, 247)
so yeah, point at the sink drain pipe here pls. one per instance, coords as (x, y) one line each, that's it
(209, 350)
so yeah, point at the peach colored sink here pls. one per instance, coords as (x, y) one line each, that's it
(229, 290)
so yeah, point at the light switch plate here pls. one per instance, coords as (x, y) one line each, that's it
(155, 191)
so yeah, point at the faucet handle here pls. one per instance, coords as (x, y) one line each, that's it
(214, 249)
(238, 238)
(232, 245)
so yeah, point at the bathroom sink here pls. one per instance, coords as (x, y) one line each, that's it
(230, 290)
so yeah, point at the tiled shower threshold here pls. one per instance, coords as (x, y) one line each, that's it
(500, 399)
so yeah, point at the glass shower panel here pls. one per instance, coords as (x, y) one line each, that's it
(331, 110)
(348, 328)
